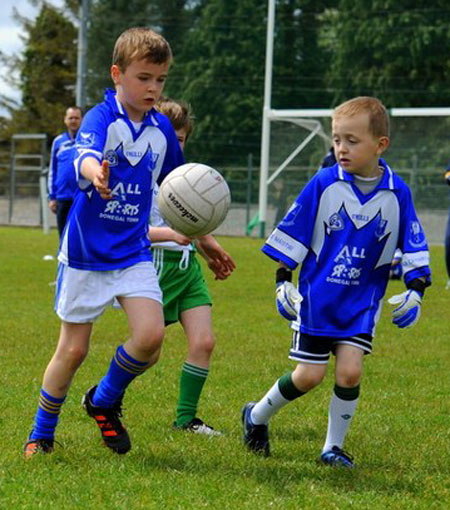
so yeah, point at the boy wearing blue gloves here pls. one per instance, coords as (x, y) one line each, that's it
(343, 229)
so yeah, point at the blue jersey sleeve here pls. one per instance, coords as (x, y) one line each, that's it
(53, 170)
(291, 240)
(412, 242)
(90, 141)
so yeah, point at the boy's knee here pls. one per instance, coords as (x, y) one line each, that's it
(348, 378)
(204, 344)
(306, 377)
(309, 382)
(75, 356)
(154, 357)
(149, 343)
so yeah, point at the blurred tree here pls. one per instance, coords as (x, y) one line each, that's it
(219, 59)
(172, 18)
(394, 49)
(220, 71)
(300, 63)
(45, 71)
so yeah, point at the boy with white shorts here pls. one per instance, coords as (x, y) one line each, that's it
(123, 147)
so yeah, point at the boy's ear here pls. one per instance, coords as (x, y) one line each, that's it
(115, 74)
(383, 144)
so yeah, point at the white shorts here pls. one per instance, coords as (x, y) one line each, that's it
(82, 296)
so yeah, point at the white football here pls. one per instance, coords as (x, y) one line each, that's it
(194, 199)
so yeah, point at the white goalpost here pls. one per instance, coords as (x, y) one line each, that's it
(423, 129)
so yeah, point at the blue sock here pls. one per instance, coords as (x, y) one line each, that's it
(47, 416)
(122, 370)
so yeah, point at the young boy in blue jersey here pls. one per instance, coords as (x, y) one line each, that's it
(185, 293)
(343, 229)
(62, 184)
(123, 147)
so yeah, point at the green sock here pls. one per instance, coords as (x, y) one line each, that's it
(191, 384)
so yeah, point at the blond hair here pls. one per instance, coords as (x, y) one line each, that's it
(378, 115)
(140, 43)
(179, 113)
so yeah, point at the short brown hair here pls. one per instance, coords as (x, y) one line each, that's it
(74, 108)
(179, 113)
(378, 115)
(140, 43)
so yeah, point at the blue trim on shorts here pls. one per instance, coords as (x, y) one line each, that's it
(59, 279)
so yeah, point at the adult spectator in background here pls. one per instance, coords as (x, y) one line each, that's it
(447, 235)
(62, 183)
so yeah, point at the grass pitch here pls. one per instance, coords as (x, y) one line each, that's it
(400, 435)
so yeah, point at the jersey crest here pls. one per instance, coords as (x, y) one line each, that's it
(335, 222)
(416, 235)
(344, 257)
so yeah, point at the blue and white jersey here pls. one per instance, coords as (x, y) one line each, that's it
(103, 235)
(62, 182)
(345, 241)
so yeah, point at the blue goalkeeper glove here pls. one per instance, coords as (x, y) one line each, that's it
(288, 300)
(408, 311)
(288, 297)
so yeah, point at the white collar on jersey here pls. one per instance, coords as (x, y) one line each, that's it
(387, 181)
(147, 116)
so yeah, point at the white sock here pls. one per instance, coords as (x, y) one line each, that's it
(272, 402)
(340, 415)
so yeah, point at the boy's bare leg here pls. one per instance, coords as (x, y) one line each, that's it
(70, 352)
(307, 376)
(198, 328)
(72, 348)
(349, 365)
(103, 402)
(140, 351)
(146, 323)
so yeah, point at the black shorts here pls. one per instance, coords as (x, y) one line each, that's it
(317, 349)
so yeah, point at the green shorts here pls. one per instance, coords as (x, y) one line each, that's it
(182, 283)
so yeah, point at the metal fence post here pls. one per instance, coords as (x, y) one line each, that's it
(12, 183)
(249, 191)
(44, 206)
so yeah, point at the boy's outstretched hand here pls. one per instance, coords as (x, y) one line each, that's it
(218, 260)
(101, 181)
(408, 311)
(221, 272)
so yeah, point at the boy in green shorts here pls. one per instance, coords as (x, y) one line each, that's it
(185, 293)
